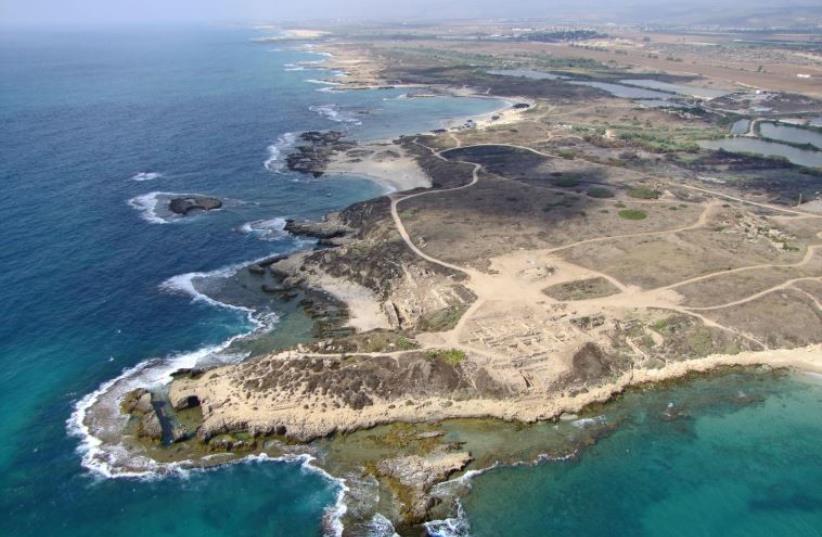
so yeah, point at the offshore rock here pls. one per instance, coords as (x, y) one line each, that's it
(185, 204)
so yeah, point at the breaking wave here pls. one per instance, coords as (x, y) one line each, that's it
(148, 207)
(146, 176)
(323, 82)
(276, 151)
(97, 420)
(333, 113)
(457, 526)
(269, 230)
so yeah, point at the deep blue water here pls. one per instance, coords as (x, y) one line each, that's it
(82, 113)
(81, 299)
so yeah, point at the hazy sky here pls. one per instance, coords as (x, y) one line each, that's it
(94, 11)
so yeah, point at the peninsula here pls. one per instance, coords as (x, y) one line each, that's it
(527, 264)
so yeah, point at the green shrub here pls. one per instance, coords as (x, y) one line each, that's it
(600, 192)
(643, 192)
(566, 182)
(450, 356)
(632, 214)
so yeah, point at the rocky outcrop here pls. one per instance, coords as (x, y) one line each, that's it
(183, 205)
(140, 405)
(411, 478)
(323, 230)
(150, 426)
(313, 155)
(306, 397)
(154, 422)
(136, 402)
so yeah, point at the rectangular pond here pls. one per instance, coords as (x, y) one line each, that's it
(790, 134)
(680, 89)
(801, 157)
(526, 73)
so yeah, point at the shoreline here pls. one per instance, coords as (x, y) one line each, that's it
(384, 174)
(388, 166)
(79, 424)
(259, 416)
(228, 409)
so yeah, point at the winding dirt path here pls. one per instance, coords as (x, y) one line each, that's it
(760, 294)
(395, 201)
(487, 287)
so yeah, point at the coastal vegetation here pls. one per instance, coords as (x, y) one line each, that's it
(633, 214)
(449, 356)
(600, 192)
(508, 289)
(643, 192)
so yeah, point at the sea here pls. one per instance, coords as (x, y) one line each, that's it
(100, 125)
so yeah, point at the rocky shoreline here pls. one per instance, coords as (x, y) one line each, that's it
(372, 371)
(314, 153)
(348, 381)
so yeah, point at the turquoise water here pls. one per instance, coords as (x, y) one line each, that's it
(93, 124)
(94, 119)
(742, 458)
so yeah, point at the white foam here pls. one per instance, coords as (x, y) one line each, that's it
(450, 527)
(184, 283)
(147, 204)
(588, 422)
(400, 97)
(323, 82)
(379, 526)
(274, 162)
(146, 176)
(333, 113)
(331, 89)
(269, 230)
(332, 518)
(112, 459)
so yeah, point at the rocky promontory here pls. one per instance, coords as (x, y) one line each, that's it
(314, 153)
(325, 230)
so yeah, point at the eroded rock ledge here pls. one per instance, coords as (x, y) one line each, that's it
(304, 397)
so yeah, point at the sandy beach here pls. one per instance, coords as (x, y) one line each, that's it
(385, 163)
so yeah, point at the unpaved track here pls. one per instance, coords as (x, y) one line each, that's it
(507, 287)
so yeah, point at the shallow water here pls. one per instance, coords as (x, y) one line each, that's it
(526, 73)
(681, 89)
(789, 133)
(625, 92)
(91, 285)
(802, 157)
(95, 125)
(741, 126)
(744, 460)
